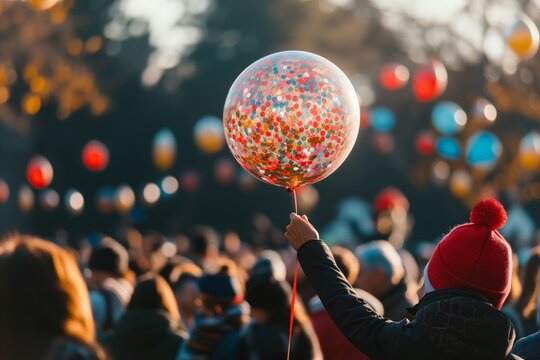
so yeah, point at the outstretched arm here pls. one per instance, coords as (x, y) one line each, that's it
(372, 334)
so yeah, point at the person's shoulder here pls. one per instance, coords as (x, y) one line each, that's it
(70, 349)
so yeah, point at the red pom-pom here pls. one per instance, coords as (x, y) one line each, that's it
(490, 213)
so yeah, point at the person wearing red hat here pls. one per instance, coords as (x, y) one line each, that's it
(458, 317)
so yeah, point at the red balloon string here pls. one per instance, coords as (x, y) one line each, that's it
(293, 295)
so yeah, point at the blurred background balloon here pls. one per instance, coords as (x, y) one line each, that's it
(522, 37)
(425, 142)
(430, 80)
(393, 76)
(246, 181)
(440, 171)
(291, 118)
(382, 119)
(383, 143)
(448, 148)
(460, 183)
(74, 202)
(483, 112)
(39, 172)
(26, 198)
(95, 156)
(529, 151)
(49, 199)
(483, 150)
(448, 117)
(308, 197)
(169, 186)
(4, 191)
(150, 194)
(124, 199)
(189, 181)
(164, 149)
(224, 171)
(208, 133)
(105, 199)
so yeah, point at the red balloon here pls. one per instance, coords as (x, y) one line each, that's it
(430, 81)
(365, 119)
(39, 172)
(393, 76)
(4, 191)
(425, 143)
(95, 156)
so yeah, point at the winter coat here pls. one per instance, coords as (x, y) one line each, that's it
(528, 347)
(449, 324)
(144, 334)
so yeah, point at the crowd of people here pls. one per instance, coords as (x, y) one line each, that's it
(213, 296)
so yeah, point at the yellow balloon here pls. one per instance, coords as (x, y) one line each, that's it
(210, 142)
(522, 37)
(529, 160)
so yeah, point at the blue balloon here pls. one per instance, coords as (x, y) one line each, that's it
(448, 117)
(483, 150)
(448, 148)
(382, 119)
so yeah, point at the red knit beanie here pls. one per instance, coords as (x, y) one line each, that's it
(475, 256)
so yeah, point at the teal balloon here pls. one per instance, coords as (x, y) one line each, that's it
(483, 150)
(448, 117)
(448, 148)
(382, 119)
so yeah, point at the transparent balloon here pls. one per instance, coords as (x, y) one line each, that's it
(483, 150)
(448, 117)
(291, 118)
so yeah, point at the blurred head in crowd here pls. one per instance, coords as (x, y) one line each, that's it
(154, 293)
(43, 297)
(381, 267)
(527, 302)
(391, 209)
(346, 262)
(220, 291)
(109, 259)
(205, 246)
(184, 279)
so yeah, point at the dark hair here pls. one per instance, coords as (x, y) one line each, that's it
(43, 297)
(203, 238)
(526, 304)
(346, 262)
(154, 293)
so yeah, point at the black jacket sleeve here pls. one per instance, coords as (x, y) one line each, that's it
(372, 334)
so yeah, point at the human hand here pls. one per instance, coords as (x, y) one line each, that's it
(300, 231)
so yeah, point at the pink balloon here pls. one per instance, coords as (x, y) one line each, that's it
(291, 118)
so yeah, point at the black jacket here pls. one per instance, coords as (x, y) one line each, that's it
(449, 324)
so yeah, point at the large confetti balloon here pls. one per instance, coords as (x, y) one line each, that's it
(529, 151)
(39, 172)
(4, 191)
(95, 156)
(430, 81)
(483, 150)
(448, 117)
(291, 118)
(393, 76)
(522, 37)
(382, 119)
(164, 149)
(208, 133)
(448, 148)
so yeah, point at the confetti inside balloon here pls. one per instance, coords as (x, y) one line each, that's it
(95, 156)
(448, 117)
(522, 37)
(448, 148)
(4, 191)
(425, 143)
(164, 149)
(529, 151)
(291, 118)
(208, 133)
(483, 150)
(39, 172)
(382, 119)
(393, 76)
(430, 81)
